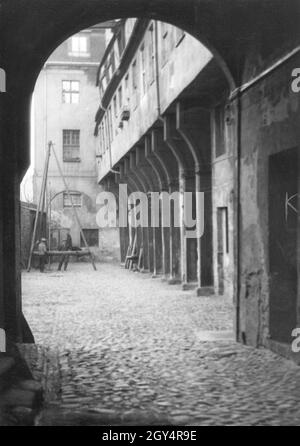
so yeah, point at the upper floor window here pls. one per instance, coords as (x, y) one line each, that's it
(110, 126)
(134, 76)
(127, 91)
(143, 68)
(164, 43)
(79, 46)
(106, 130)
(120, 95)
(115, 107)
(71, 146)
(134, 83)
(102, 139)
(72, 198)
(151, 55)
(70, 92)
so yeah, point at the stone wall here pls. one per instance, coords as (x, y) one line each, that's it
(270, 124)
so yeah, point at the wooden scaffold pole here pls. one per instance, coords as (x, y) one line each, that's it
(41, 205)
(73, 207)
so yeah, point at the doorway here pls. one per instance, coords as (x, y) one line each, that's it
(283, 197)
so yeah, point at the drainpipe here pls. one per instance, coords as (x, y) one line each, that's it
(236, 96)
(238, 211)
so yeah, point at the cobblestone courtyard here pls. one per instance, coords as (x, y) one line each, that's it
(119, 347)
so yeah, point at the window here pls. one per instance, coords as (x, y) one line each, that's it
(70, 92)
(71, 145)
(127, 92)
(115, 107)
(72, 197)
(79, 46)
(110, 128)
(143, 68)
(91, 236)
(134, 75)
(151, 55)
(107, 138)
(165, 43)
(120, 95)
(134, 83)
(220, 147)
(102, 139)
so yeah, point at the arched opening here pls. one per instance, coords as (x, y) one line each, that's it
(174, 150)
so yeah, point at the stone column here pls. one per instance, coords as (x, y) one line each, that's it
(10, 234)
(157, 251)
(189, 244)
(165, 239)
(124, 242)
(151, 241)
(205, 248)
(174, 243)
(146, 256)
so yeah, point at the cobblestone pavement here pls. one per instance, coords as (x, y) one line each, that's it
(120, 347)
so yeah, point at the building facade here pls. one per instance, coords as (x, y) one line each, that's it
(165, 128)
(64, 104)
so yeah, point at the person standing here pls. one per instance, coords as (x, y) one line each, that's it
(42, 248)
(67, 246)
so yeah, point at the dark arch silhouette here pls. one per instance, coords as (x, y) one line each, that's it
(245, 36)
(227, 28)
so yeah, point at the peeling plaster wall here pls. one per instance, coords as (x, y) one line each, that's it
(223, 185)
(270, 124)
